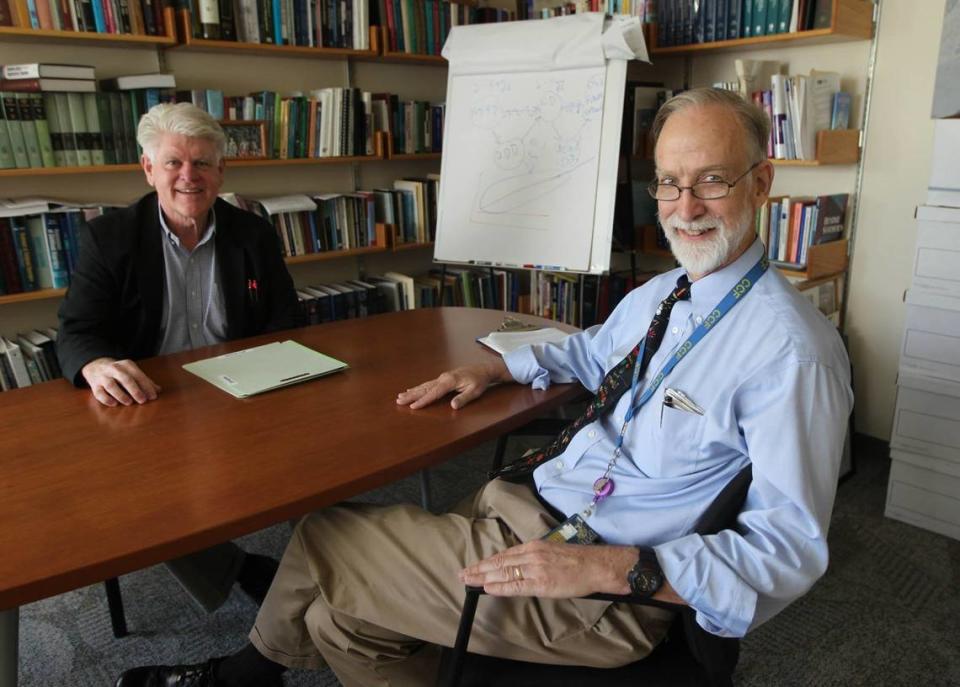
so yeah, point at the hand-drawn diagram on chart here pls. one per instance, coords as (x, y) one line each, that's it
(534, 145)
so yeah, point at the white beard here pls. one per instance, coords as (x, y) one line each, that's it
(703, 257)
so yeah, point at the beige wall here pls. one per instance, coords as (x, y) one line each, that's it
(896, 167)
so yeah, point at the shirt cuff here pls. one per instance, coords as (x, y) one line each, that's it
(525, 368)
(724, 604)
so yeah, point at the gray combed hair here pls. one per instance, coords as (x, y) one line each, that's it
(180, 118)
(753, 120)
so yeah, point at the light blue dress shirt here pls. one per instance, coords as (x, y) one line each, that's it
(773, 380)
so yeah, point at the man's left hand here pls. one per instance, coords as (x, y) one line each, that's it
(558, 571)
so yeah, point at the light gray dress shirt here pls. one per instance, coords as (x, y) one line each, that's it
(194, 314)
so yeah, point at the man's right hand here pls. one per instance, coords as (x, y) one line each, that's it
(470, 381)
(119, 381)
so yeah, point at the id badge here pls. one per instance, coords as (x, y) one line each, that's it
(573, 530)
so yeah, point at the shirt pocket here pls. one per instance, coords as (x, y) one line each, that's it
(675, 436)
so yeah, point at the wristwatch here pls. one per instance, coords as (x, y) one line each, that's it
(646, 576)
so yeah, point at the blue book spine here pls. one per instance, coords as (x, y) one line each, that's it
(746, 14)
(25, 262)
(71, 224)
(733, 19)
(277, 22)
(707, 31)
(722, 20)
(58, 260)
(99, 21)
(774, 240)
(314, 236)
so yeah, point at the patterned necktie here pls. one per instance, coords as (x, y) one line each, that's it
(614, 385)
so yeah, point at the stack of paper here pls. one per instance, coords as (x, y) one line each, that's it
(504, 342)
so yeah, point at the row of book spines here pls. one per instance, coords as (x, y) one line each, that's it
(341, 223)
(684, 22)
(28, 358)
(38, 251)
(409, 210)
(131, 17)
(73, 129)
(501, 290)
(789, 226)
(581, 301)
(345, 300)
(305, 23)
(644, 9)
(339, 123)
(415, 126)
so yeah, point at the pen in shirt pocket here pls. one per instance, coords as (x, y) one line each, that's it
(674, 398)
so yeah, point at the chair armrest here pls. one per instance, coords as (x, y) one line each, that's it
(616, 598)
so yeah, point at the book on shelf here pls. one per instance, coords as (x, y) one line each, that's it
(788, 226)
(798, 107)
(37, 70)
(131, 17)
(344, 24)
(840, 110)
(137, 81)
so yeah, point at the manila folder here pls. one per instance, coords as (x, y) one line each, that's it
(263, 368)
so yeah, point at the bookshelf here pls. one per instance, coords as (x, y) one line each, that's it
(186, 42)
(241, 67)
(850, 20)
(21, 34)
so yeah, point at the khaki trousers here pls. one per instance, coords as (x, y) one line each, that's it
(364, 587)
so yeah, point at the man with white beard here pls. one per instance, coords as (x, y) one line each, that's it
(734, 369)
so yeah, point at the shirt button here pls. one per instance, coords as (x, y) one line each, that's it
(559, 465)
(699, 320)
(194, 325)
(675, 330)
(592, 434)
(193, 294)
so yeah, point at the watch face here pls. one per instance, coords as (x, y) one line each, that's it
(648, 581)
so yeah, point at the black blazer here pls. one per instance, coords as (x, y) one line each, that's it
(114, 304)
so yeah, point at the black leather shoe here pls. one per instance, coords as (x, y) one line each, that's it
(197, 675)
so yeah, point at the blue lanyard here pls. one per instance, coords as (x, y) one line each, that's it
(604, 485)
(739, 290)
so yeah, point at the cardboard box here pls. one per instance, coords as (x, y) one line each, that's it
(924, 498)
(944, 185)
(931, 336)
(946, 89)
(926, 422)
(936, 265)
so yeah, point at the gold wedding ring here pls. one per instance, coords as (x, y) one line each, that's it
(517, 573)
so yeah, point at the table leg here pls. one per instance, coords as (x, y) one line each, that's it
(425, 489)
(9, 646)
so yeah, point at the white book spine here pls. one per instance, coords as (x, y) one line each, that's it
(779, 116)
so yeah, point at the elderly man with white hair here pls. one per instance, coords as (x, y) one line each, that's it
(176, 270)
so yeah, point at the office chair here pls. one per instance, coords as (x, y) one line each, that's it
(689, 655)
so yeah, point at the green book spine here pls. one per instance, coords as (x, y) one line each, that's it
(7, 160)
(747, 10)
(78, 124)
(92, 116)
(30, 140)
(38, 246)
(43, 129)
(760, 17)
(786, 10)
(56, 133)
(106, 129)
(127, 121)
(11, 114)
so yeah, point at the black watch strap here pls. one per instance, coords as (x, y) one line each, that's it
(646, 577)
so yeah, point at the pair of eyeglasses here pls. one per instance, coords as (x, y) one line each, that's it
(704, 190)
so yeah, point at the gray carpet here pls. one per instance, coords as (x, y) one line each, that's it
(886, 613)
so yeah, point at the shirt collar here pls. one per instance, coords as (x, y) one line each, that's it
(706, 292)
(175, 240)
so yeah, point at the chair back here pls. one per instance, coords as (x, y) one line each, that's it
(717, 655)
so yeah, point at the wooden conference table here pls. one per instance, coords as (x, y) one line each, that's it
(88, 492)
